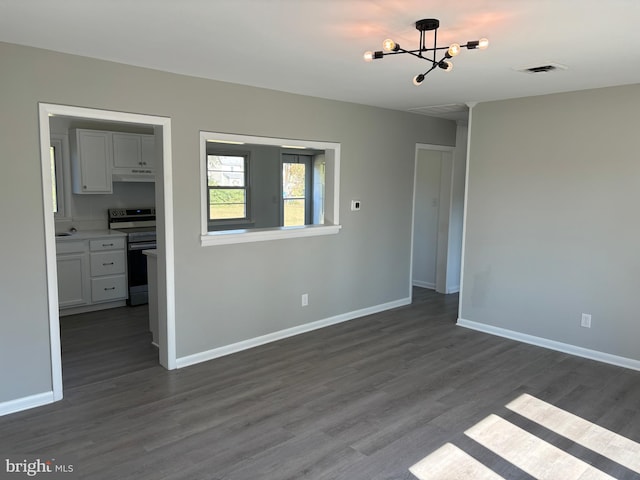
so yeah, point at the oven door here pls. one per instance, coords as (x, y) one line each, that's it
(137, 272)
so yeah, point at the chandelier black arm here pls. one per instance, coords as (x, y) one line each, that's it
(435, 64)
(418, 54)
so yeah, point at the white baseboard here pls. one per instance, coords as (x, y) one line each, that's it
(288, 332)
(432, 286)
(24, 403)
(421, 284)
(552, 344)
(453, 289)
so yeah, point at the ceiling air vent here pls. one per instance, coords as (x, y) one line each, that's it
(547, 68)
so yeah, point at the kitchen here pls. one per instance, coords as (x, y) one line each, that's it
(103, 176)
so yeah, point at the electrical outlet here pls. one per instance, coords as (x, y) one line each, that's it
(586, 320)
(305, 299)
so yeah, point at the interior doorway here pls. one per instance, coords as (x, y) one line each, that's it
(432, 248)
(164, 214)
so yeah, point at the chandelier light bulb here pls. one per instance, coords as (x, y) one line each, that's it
(417, 80)
(483, 43)
(446, 65)
(454, 49)
(368, 56)
(389, 45)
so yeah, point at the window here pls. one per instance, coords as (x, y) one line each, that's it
(260, 188)
(228, 187)
(54, 186)
(296, 190)
(58, 177)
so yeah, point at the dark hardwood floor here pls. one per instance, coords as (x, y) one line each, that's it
(105, 344)
(362, 400)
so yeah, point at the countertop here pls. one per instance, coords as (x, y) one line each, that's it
(89, 234)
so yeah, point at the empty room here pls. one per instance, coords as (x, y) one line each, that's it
(319, 240)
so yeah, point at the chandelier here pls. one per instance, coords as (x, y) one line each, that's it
(429, 54)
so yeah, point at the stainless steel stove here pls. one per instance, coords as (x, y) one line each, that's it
(140, 226)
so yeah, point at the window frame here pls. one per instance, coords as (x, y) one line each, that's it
(331, 225)
(60, 144)
(308, 180)
(247, 219)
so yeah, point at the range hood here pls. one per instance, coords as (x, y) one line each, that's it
(133, 177)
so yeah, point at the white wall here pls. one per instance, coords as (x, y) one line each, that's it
(552, 218)
(224, 294)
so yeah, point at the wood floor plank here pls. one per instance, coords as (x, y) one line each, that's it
(361, 400)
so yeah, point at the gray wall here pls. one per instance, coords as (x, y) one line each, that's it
(552, 223)
(224, 294)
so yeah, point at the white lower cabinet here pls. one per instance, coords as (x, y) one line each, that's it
(72, 280)
(108, 269)
(108, 289)
(92, 273)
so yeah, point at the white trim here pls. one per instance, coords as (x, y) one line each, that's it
(453, 289)
(25, 403)
(421, 284)
(167, 182)
(465, 208)
(430, 146)
(552, 344)
(226, 237)
(45, 111)
(433, 147)
(223, 237)
(50, 253)
(288, 332)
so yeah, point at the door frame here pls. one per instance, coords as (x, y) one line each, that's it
(167, 337)
(442, 248)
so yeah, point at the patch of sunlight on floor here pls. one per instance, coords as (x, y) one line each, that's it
(605, 442)
(453, 464)
(529, 453)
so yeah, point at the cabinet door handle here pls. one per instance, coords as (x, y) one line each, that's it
(109, 288)
(105, 264)
(107, 244)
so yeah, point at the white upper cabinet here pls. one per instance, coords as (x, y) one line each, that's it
(133, 157)
(148, 151)
(99, 158)
(127, 150)
(91, 161)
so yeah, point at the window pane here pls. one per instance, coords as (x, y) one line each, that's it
(293, 180)
(293, 194)
(225, 203)
(52, 155)
(225, 171)
(294, 212)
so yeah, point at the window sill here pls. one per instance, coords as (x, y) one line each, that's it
(227, 237)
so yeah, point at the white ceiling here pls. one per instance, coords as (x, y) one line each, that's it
(315, 47)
